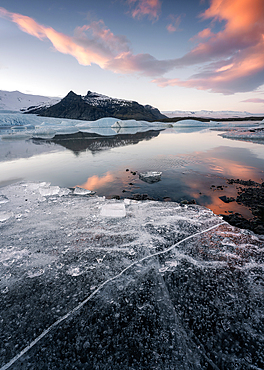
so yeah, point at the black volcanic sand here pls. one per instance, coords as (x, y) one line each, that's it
(251, 195)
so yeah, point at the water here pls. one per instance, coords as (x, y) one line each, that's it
(191, 161)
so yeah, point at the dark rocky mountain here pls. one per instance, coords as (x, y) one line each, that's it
(94, 106)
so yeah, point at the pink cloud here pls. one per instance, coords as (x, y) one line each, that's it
(233, 57)
(94, 43)
(140, 8)
(254, 100)
(204, 34)
(175, 23)
(229, 61)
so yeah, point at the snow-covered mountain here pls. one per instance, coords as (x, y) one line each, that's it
(211, 114)
(94, 106)
(17, 101)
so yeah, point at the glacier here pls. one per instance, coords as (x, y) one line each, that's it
(17, 126)
(91, 283)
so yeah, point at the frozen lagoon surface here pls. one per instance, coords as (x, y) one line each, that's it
(91, 283)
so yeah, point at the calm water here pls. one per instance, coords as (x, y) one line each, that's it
(191, 160)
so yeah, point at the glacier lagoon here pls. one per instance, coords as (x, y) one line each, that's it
(95, 283)
(192, 159)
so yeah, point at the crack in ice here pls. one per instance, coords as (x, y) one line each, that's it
(80, 305)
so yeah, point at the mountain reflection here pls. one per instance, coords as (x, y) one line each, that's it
(82, 141)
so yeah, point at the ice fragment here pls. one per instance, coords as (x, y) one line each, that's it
(113, 210)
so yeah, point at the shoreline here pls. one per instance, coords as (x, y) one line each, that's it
(249, 194)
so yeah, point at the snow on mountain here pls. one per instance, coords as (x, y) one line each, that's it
(210, 114)
(17, 101)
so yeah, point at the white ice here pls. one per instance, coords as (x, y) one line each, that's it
(64, 257)
(253, 133)
(113, 210)
(25, 126)
(150, 176)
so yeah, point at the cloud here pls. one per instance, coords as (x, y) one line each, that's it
(232, 59)
(141, 8)
(175, 23)
(254, 100)
(94, 43)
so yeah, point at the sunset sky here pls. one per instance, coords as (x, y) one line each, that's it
(174, 55)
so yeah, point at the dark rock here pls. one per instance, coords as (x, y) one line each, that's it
(183, 202)
(138, 196)
(226, 199)
(94, 106)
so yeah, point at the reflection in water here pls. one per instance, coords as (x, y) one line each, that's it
(82, 141)
(95, 182)
(190, 162)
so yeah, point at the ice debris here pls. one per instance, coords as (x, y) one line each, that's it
(81, 191)
(150, 176)
(113, 210)
(78, 287)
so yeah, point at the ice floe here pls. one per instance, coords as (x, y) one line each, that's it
(150, 176)
(253, 134)
(85, 279)
(24, 126)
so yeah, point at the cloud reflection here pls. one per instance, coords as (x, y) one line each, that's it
(96, 182)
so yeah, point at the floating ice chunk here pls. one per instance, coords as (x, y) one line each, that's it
(255, 133)
(193, 123)
(49, 190)
(150, 177)
(102, 122)
(130, 123)
(113, 210)
(81, 191)
(4, 216)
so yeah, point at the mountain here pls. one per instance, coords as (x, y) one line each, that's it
(17, 101)
(94, 106)
(210, 114)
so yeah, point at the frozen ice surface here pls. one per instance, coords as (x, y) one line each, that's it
(150, 176)
(5, 216)
(113, 210)
(165, 287)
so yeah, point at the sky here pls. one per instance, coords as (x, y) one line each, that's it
(174, 55)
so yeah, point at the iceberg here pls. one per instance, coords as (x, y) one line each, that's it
(164, 286)
(22, 127)
(150, 177)
(253, 134)
(194, 123)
